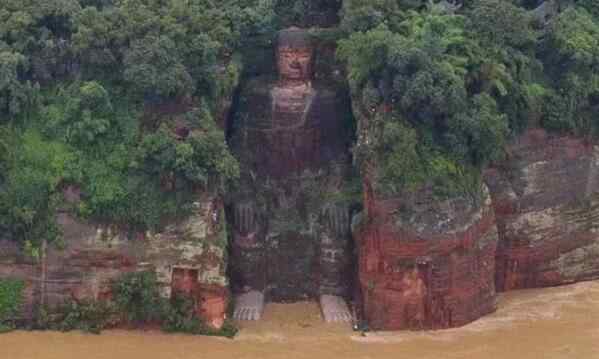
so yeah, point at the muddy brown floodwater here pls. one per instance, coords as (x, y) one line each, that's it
(552, 323)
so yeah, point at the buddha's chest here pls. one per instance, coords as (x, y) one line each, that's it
(284, 130)
(291, 106)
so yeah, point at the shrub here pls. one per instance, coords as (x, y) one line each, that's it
(11, 299)
(180, 317)
(89, 316)
(137, 298)
(229, 330)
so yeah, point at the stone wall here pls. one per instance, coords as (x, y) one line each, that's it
(546, 200)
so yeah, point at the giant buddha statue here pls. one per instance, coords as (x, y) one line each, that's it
(291, 237)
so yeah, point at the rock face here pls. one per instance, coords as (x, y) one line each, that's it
(433, 265)
(428, 264)
(546, 202)
(188, 257)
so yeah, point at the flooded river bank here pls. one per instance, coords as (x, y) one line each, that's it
(554, 323)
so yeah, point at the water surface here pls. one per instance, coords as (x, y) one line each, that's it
(554, 323)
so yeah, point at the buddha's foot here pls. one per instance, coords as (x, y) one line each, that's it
(249, 306)
(334, 309)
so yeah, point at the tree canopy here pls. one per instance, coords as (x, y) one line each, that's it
(442, 85)
(79, 83)
(121, 98)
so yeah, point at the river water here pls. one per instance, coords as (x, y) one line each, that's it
(554, 323)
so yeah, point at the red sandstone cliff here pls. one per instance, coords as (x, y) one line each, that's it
(426, 266)
(188, 257)
(434, 265)
(545, 197)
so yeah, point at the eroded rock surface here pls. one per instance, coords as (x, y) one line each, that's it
(426, 266)
(188, 257)
(546, 200)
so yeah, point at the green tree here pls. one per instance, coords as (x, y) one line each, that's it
(99, 42)
(201, 159)
(504, 58)
(364, 15)
(574, 60)
(30, 195)
(82, 113)
(154, 69)
(424, 71)
(479, 133)
(589, 5)
(14, 93)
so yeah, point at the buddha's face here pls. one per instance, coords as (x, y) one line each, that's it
(294, 63)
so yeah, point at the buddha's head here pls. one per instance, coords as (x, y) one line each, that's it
(294, 55)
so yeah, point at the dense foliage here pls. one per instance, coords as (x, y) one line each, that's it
(81, 82)
(445, 84)
(180, 317)
(119, 99)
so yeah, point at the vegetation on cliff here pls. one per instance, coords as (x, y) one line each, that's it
(440, 87)
(137, 298)
(11, 299)
(118, 99)
(136, 302)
